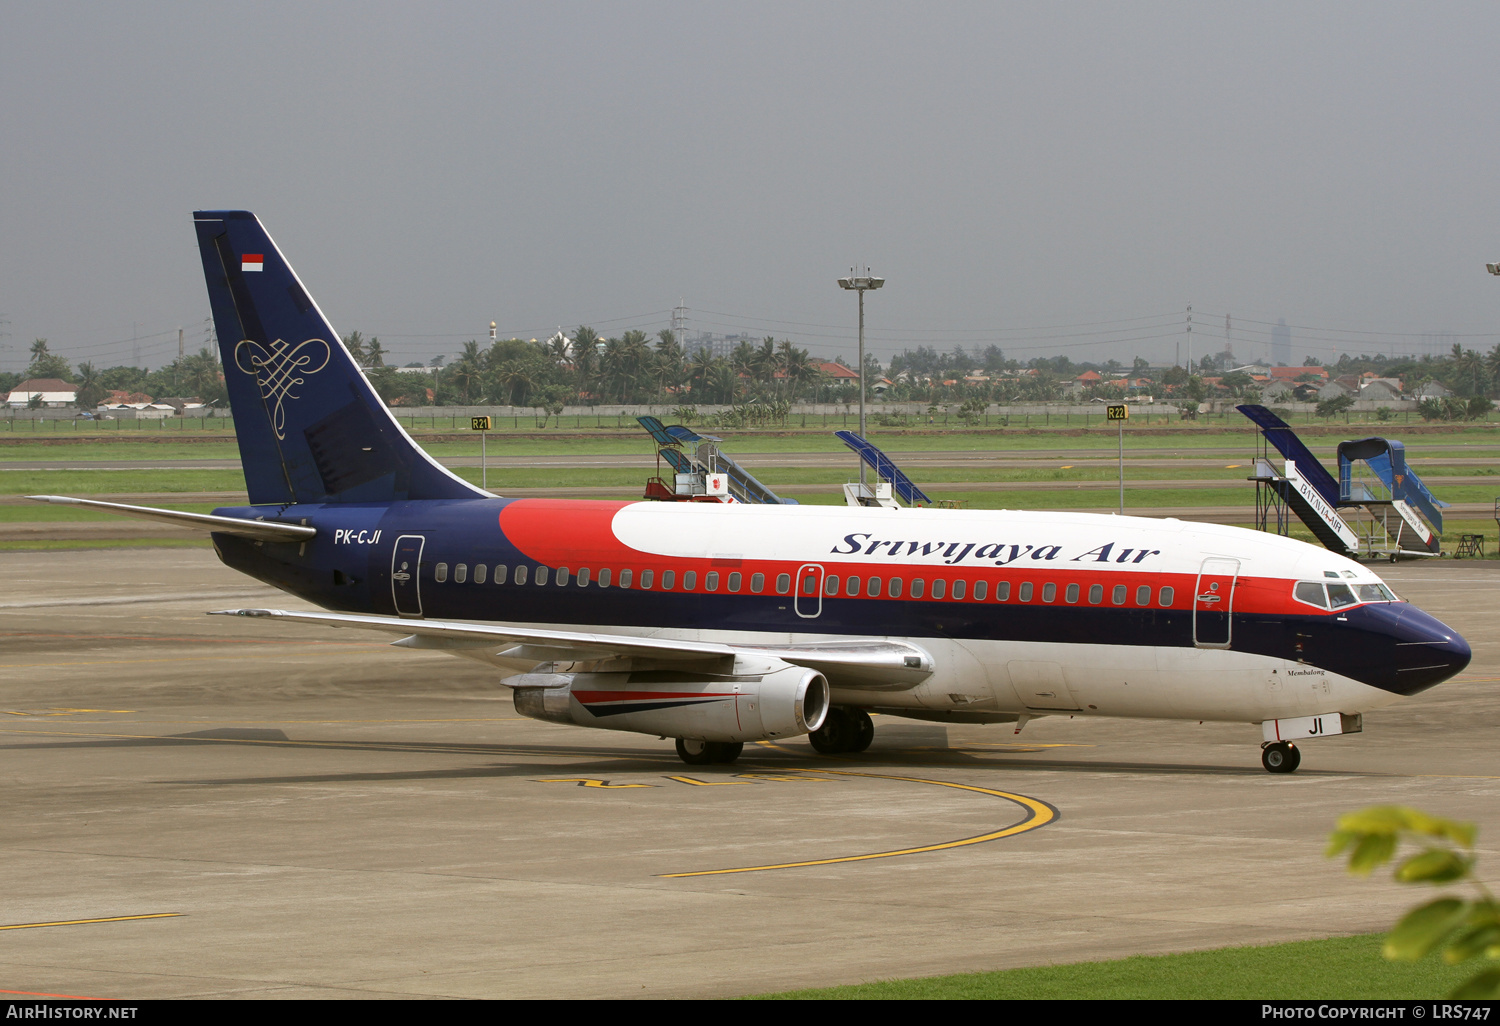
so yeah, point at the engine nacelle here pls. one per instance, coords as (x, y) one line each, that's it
(784, 701)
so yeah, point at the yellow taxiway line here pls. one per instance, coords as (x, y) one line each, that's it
(1038, 814)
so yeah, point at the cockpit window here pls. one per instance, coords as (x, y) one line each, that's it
(1339, 596)
(1312, 593)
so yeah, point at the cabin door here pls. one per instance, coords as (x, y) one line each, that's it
(1213, 602)
(406, 575)
(809, 598)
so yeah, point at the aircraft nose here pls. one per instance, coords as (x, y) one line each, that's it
(1426, 651)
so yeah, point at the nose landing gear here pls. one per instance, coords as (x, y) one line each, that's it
(1280, 757)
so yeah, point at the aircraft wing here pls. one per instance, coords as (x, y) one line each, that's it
(869, 664)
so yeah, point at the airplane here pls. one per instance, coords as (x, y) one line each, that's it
(721, 624)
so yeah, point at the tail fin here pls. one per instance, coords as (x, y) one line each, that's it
(310, 427)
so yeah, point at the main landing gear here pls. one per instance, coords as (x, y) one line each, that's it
(1280, 757)
(705, 753)
(845, 730)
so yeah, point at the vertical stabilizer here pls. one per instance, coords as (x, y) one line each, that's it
(310, 426)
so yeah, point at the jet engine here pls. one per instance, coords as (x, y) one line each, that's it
(782, 701)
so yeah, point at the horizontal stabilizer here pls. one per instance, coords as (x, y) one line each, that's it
(260, 530)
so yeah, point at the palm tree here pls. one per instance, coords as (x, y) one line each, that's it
(700, 369)
(467, 371)
(355, 343)
(586, 357)
(670, 365)
(765, 362)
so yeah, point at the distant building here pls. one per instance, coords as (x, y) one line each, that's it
(50, 392)
(1281, 343)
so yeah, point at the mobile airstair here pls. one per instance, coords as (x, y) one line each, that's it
(1306, 489)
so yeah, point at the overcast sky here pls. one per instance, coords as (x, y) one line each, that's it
(1060, 177)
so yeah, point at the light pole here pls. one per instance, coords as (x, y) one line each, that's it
(861, 284)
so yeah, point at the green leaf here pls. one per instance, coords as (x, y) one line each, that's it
(1378, 819)
(1423, 928)
(1435, 865)
(1339, 840)
(1396, 819)
(1484, 986)
(1373, 850)
(1472, 942)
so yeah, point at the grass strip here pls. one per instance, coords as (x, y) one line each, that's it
(1340, 968)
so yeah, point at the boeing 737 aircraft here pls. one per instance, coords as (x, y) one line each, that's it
(722, 623)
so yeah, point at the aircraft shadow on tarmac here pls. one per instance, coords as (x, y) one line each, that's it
(596, 761)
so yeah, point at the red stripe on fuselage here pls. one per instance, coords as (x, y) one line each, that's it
(580, 533)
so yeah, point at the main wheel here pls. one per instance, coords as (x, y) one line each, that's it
(727, 751)
(864, 730)
(837, 734)
(1281, 757)
(695, 752)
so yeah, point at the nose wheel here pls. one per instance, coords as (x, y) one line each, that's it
(1280, 757)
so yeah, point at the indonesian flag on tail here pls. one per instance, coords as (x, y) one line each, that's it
(252, 261)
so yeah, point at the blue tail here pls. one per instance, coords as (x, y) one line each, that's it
(310, 427)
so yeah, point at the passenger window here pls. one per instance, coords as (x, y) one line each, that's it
(853, 587)
(981, 589)
(939, 587)
(830, 585)
(668, 578)
(1025, 595)
(872, 587)
(809, 585)
(647, 576)
(1049, 592)
(1143, 595)
(583, 576)
(711, 581)
(1096, 594)
(895, 591)
(757, 583)
(562, 577)
(783, 583)
(1312, 593)
(460, 573)
(734, 582)
(689, 580)
(625, 576)
(917, 587)
(440, 572)
(1072, 593)
(1165, 596)
(1120, 594)
(1340, 596)
(604, 578)
(1002, 591)
(541, 575)
(959, 588)
(521, 574)
(499, 573)
(479, 572)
